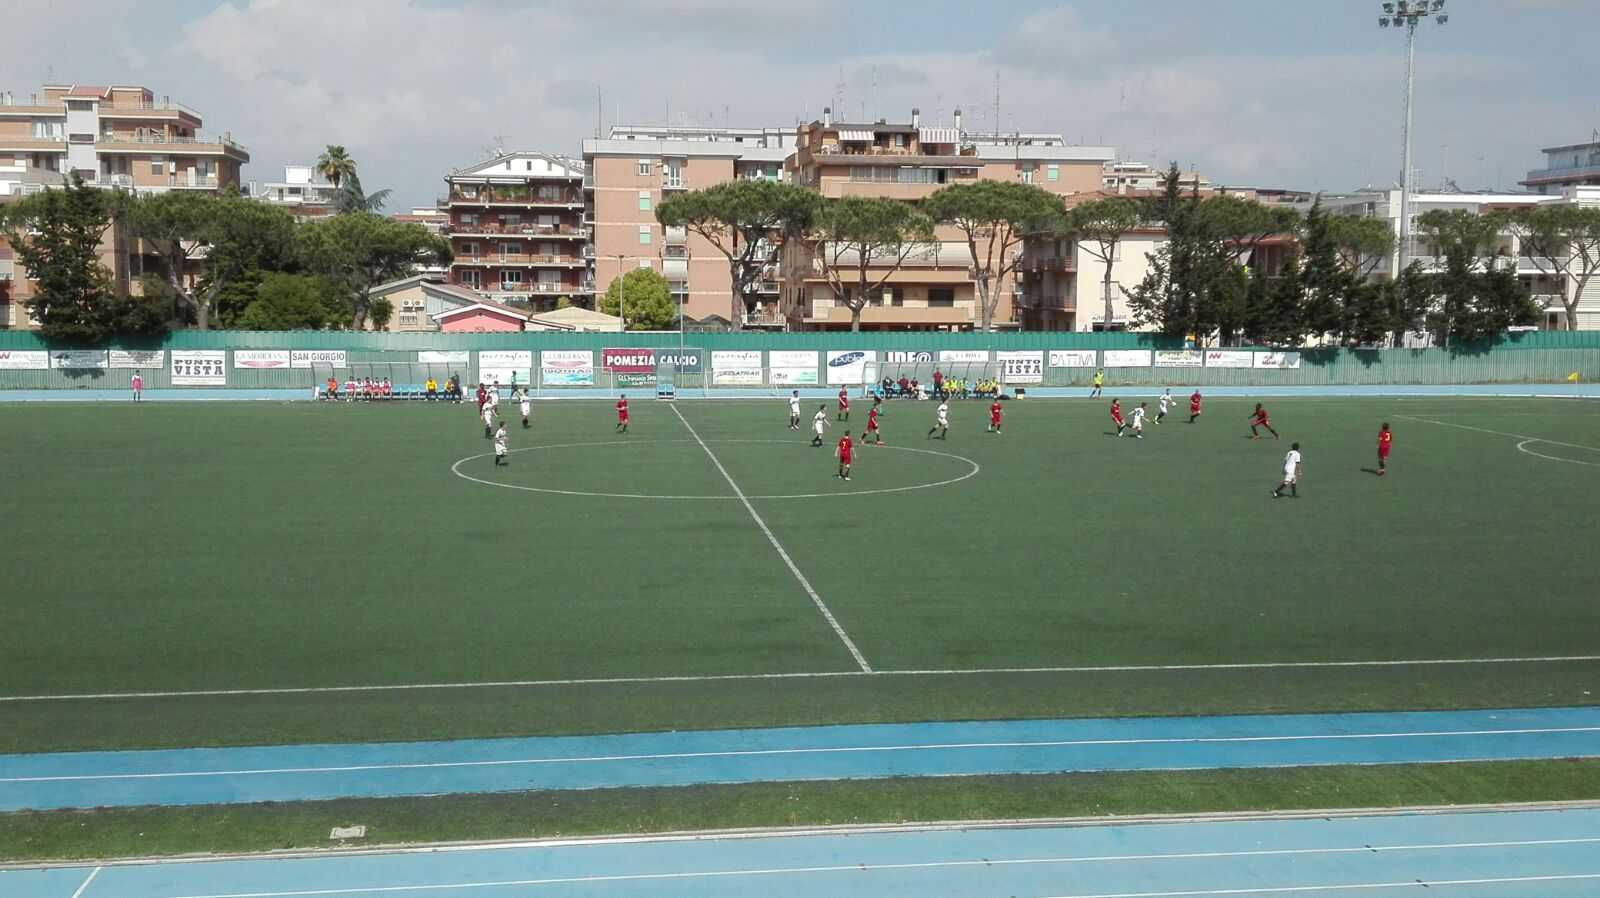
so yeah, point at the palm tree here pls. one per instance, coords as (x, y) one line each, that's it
(335, 165)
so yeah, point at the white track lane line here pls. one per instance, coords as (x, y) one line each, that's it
(989, 863)
(782, 553)
(831, 750)
(92, 874)
(807, 675)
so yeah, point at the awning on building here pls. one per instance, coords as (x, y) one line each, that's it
(855, 134)
(939, 135)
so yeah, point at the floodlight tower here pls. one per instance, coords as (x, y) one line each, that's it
(1406, 14)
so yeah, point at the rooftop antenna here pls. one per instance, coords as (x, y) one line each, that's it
(875, 108)
(996, 101)
(838, 92)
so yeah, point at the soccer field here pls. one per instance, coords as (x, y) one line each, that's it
(201, 574)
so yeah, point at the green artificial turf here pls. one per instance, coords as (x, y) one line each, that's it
(142, 832)
(180, 547)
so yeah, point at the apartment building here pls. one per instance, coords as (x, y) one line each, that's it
(909, 161)
(515, 224)
(117, 137)
(629, 172)
(113, 137)
(1574, 165)
(303, 192)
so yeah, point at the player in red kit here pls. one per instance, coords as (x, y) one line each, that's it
(1116, 415)
(872, 427)
(1194, 406)
(844, 405)
(994, 416)
(1258, 418)
(1385, 440)
(846, 452)
(622, 414)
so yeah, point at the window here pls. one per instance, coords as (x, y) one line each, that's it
(80, 138)
(471, 278)
(644, 263)
(510, 221)
(643, 168)
(549, 192)
(1052, 172)
(644, 235)
(644, 201)
(507, 250)
(157, 165)
(45, 129)
(1027, 172)
(941, 298)
(469, 219)
(469, 248)
(510, 280)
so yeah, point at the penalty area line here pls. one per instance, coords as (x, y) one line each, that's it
(782, 553)
(817, 675)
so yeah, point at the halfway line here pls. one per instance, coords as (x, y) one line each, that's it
(793, 569)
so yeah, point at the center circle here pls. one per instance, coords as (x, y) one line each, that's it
(972, 469)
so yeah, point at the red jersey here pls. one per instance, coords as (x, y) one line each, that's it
(844, 400)
(1194, 403)
(1116, 412)
(994, 413)
(1385, 439)
(483, 396)
(872, 419)
(622, 410)
(1260, 416)
(846, 446)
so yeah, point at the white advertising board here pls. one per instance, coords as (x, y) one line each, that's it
(138, 358)
(1229, 358)
(1127, 358)
(443, 356)
(964, 355)
(792, 358)
(505, 366)
(1179, 358)
(79, 359)
(199, 367)
(1072, 358)
(735, 367)
(1277, 360)
(797, 377)
(318, 358)
(848, 366)
(24, 359)
(260, 358)
(566, 367)
(1022, 366)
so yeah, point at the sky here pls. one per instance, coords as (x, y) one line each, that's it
(1303, 94)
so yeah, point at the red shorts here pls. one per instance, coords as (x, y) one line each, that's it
(1194, 409)
(872, 427)
(1262, 423)
(1117, 419)
(844, 459)
(1383, 451)
(622, 416)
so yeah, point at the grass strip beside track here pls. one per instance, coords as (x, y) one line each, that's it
(212, 721)
(164, 831)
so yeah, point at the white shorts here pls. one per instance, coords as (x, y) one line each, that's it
(1288, 477)
(500, 450)
(944, 422)
(817, 430)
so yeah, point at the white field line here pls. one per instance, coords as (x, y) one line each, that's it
(789, 752)
(1523, 447)
(92, 874)
(987, 863)
(822, 606)
(808, 675)
(1502, 433)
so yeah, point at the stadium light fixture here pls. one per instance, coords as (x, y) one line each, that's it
(1406, 14)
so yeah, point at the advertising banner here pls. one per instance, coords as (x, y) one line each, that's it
(566, 367)
(964, 355)
(138, 358)
(848, 366)
(1023, 366)
(444, 357)
(1127, 358)
(319, 358)
(1072, 358)
(683, 359)
(908, 356)
(735, 367)
(1179, 358)
(199, 367)
(630, 360)
(24, 360)
(1277, 360)
(505, 366)
(79, 359)
(261, 358)
(794, 377)
(1229, 358)
(791, 358)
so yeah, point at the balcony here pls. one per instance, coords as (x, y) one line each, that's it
(588, 251)
(529, 230)
(513, 195)
(530, 260)
(673, 182)
(536, 287)
(680, 253)
(676, 237)
(192, 181)
(1055, 263)
(147, 142)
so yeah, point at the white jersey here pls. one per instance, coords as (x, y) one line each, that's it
(1138, 417)
(819, 421)
(794, 406)
(1291, 464)
(527, 406)
(944, 414)
(500, 441)
(1166, 402)
(488, 414)
(492, 400)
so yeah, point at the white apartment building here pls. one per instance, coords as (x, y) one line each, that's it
(303, 192)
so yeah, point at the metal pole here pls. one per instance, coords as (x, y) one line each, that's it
(1405, 152)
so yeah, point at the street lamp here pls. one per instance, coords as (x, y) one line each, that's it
(1406, 14)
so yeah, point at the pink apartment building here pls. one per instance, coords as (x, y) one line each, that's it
(515, 224)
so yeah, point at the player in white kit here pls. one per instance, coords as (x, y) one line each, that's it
(501, 439)
(488, 421)
(526, 403)
(1165, 405)
(1136, 424)
(942, 421)
(794, 410)
(819, 423)
(1291, 474)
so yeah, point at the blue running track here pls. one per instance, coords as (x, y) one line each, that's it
(301, 772)
(1529, 854)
